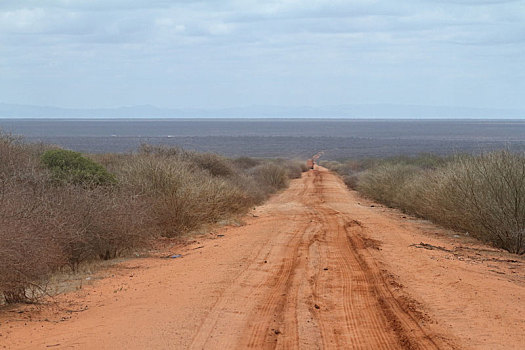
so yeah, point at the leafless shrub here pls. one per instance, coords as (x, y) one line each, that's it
(270, 175)
(47, 225)
(294, 168)
(44, 227)
(249, 185)
(113, 162)
(182, 196)
(245, 163)
(164, 151)
(215, 164)
(384, 181)
(483, 195)
(98, 224)
(351, 181)
(28, 255)
(349, 171)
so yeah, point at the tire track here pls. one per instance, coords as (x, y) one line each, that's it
(317, 288)
(384, 324)
(276, 315)
(263, 285)
(299, 275)
(348, 300)
(363, 325)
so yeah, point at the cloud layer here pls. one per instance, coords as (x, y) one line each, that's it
(282, 52)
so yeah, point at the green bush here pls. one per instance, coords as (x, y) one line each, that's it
(71, 167)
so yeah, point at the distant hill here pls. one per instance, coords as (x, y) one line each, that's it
(380, 111)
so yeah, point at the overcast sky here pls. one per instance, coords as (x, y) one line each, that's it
(221, 53)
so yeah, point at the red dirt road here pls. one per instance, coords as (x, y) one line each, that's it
(315, 267)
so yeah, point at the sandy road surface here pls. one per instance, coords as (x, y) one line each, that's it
(315, 267)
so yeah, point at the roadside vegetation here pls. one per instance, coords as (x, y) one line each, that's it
(483, 195)
(60, 208)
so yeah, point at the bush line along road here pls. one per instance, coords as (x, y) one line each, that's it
(60, 209)
(315, 267)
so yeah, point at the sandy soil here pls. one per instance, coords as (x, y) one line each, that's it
(315, 267)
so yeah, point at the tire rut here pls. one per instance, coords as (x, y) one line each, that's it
(320, 290)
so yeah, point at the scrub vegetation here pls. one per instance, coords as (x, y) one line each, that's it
(483, 195)
(60, 208)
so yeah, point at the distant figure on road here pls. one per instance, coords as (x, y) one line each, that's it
(310, 164)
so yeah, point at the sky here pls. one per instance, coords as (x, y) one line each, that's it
(228, 53)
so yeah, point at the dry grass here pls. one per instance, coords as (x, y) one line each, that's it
(48, 225)
(272, 176)
(45, 226)
(385, 181)
(483, 195)
(182, 195)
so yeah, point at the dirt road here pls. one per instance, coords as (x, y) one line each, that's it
(315, 267)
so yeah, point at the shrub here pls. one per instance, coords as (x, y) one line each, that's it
(483, 195)
(294, 169)
(71, 167)
(44, 227)
(164, 151)
(256, 192)
(215, 164)
(349, 170)
(245, 163)
(28, 255)
(351, 181)
(101, 223)
(270, 175)
(64, 213)
(383, 182)
(182, 196)
(422, 161)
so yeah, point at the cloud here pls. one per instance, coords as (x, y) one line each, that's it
(260, 50)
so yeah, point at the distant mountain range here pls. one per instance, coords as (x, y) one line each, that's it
(379, 111)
